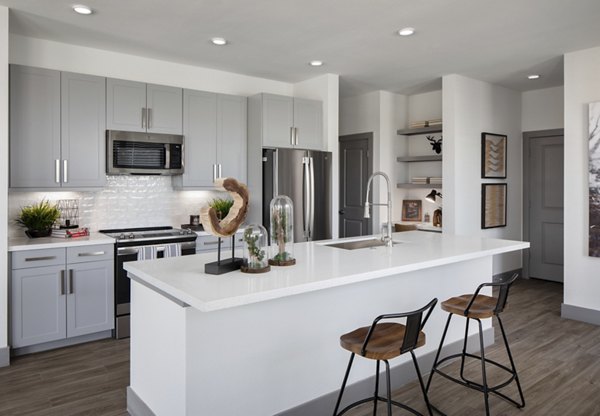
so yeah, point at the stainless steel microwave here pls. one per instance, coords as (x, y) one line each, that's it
(132, 153)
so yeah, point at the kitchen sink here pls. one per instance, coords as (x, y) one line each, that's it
(358, 244)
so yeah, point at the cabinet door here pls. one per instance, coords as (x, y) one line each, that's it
(308, 121)
(83, 113)
(38, 312)
(231, 136)
(278, 119)
(34, 127)
(90, 299)
(164, 109)
(125, 105)
(200, 139)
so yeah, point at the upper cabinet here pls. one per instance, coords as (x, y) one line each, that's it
(57, 124)
(136, 106)
(214, 126)
(287, 121)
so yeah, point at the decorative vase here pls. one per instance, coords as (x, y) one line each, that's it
(38, 233)
(282, 231)
(255, 250)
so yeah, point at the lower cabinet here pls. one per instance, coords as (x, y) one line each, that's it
(61, 293)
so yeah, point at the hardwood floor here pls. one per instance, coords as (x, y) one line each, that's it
(558, 362)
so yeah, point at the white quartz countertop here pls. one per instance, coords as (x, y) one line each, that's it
(26, 243)
(317, 267)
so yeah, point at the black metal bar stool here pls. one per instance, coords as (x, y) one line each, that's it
(382, 342)
(479, 307)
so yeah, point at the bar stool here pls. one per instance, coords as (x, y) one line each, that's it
(478, 307)
(382, 342)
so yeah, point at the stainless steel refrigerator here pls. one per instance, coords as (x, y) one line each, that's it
(305, 177)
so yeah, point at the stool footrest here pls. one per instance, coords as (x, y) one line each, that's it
(381, 399)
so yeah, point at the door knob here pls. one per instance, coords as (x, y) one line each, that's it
(341, 212)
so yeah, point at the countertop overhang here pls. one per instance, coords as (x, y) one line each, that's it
(317, 267)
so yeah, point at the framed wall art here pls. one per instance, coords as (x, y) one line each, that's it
(493, 156)
(411, 210)
(493, 205)
(594, 179)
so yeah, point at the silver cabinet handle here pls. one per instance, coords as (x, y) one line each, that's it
(296, 136)
(220, 171)
(65, 174)
(149, 117)
(40, 258)
(292, 136)
(57, 171)
(143, 118)
(211, 243)
(71, 290)
(95, 253)
(61, 276)
(214, 172)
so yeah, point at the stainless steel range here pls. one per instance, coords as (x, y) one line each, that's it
(130, 243)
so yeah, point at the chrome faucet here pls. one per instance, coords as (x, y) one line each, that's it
(387, 239)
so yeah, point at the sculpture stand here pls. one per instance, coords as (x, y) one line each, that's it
(226, 265)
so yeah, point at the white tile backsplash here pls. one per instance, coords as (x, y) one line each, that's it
(126, 201)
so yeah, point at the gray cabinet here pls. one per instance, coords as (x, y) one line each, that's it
(288, 122)
(57, 124)
(209, 243)
(214, 127)
(61, 293)
(35, 157)
(136, 106)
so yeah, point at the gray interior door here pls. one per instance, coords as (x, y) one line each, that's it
(355, 168)
(546, 207)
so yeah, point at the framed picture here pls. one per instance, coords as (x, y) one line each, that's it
(493, 156)
(493, 205)
(411, 210)
(594, 179)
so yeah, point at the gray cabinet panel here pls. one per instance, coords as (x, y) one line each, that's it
(231, 136)
(125, 105)
(83, 112)
(164, 109)
(278, 119)
(308, 121)
(34, 127)
(38, 312)
(90, 306)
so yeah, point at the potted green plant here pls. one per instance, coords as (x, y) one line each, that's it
(38, 219)
(221, 206)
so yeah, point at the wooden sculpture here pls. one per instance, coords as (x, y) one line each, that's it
(237, 213)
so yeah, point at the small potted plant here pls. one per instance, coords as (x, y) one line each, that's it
(221, 206)
(38, 219)
(255, 255)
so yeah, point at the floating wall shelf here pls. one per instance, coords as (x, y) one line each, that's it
(418, 185)
(422, 130)
(430, 158)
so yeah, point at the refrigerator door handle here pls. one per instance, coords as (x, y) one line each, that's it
(306, 196)
(275, 174)
(311, 218)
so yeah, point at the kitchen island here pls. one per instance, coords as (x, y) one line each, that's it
(269, 344)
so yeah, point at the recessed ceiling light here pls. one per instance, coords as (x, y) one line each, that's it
(81, 9)
(316, 63)
(533, 76)
(219, 41)
(407, 31)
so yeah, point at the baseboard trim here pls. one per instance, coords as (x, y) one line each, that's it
(400, 375)
(4, 356)
(61, 343)
(136, 406)
(578, 313)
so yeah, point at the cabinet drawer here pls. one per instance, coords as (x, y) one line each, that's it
(38, 258)
(211, 243)
(83, 254)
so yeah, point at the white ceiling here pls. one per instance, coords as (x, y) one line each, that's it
(494, 41)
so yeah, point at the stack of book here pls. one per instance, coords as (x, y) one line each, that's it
(419, 180)
(70, 232)
(435, 180)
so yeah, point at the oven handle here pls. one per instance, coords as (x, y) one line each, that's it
(124, 251)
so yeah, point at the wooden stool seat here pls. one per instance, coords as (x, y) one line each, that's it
(483, 306)
(385, 343)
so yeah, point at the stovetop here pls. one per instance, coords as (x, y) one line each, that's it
(147, 233)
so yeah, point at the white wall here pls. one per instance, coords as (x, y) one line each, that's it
(3, 178)
(542, 109)
(582, 86)
(326, 88)
(471, 107)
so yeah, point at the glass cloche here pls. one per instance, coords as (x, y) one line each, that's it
(282, 231)
(255, 250)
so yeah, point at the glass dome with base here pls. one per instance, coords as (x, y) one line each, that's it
(255, 250)
(282, 231)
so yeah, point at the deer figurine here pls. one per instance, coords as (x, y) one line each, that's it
(435, 144)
